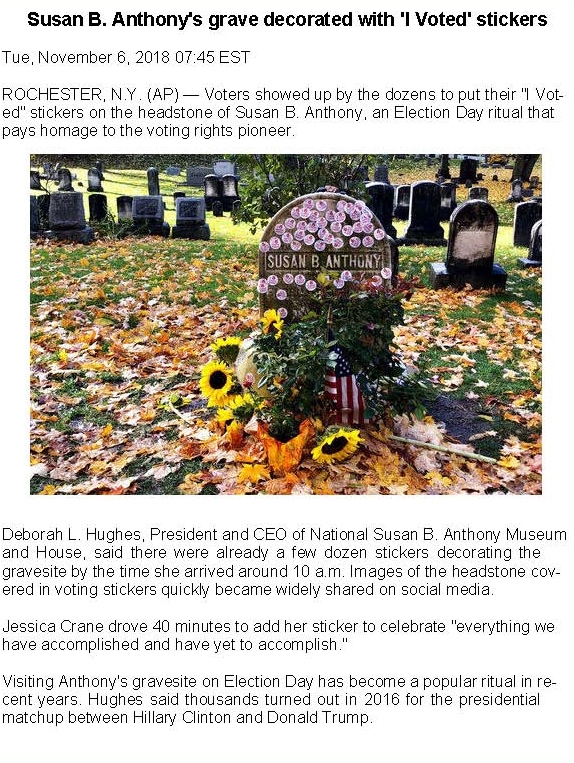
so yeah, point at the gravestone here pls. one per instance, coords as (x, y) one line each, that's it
(43, 202)
(178, 195)
(424, 216)
(534, 181)
(495, 178)
(318, 232)
(224, 167)
(516, 192)
(47, 167)
(212, 190)
(525, 215)
(229, 192)
(172, 171)
(196, 175)
(534, 259)
(402, 202)
(34, 218)
(444, 170)
(470, 249)
(99, 165)
(67, 219)
(94, 181)
(124, 207)
(381, 173)
(153, 182)
(35, 184)
(468, 169)
(478, 193)
(65, 180)
(147, 214)
(98, 204)
(217, 208)
(447, 200)
(381, 199)
(362, 173)
(528, 193)
(190, 219)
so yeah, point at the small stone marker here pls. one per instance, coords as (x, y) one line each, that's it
(447, 200)
(178, 195)
(124, 207)
(217, 208)
(525, 215)
(172, 171)
(212, 190)
(320, 231)
(424, 216)
(147, 214)
(190, 219)
(468, 169)
(67, 219)
(65, 180)
(381, 173)
(196, 175)
(229, 192)
(35, 184)
(534, 259)
(98, 204)
(94, 181)
(444, 170)
(99, 165)
(470, 249)
(34, 218)
(153, 182)
(382, 197)
(402, 202)
(478, 193)
(516, 192)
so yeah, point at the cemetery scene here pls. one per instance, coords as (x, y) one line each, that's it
(286, 324)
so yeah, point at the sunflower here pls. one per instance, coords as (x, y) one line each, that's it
(272, 323)
(215, 382)
(337, 444)
(226, 349)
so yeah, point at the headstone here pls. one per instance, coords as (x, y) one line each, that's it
(468, 169)
(424, 216)
(98, 204)
(47, 167)
(525, 215)
(229, 192)
(217, 208)
(381, 199)
(528, 193)
(314, 233)
(495, 178)
(534, 182)
(178, 195)
(99, 165)
(94, 181)
(153, 182)
(470, 249)
(67, 219)
(35, 184)
(212, 190)
(516, 192)
(447, 200)
(362, 173)
(402, 202)
(224, 167)
(534, 259)
(478, 193)
(381, 173)
(190, 219)
(124, 207)
(444, 170)
(196, 175)
(34, 218)
(65, 180)
(147, 214)
(43, 202)
(172, 171)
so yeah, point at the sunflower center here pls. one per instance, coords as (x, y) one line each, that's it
(218, 380)
(334, 446)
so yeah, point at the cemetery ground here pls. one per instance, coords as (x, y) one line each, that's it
(121, 328)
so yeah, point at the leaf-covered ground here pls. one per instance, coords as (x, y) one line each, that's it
(120, 330)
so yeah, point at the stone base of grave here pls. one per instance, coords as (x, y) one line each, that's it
(77, 235)
(526, 263)
(432, 240)
(194, 232)
(440, 277)
(98, 189)
(401, 212)
(151, 229)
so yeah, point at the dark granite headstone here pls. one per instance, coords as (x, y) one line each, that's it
(478, 193)
(178, 195)
(124, 207)
(402, 202)
(534, 259)
(67, 218)
(362, 173)
(381, 173)
(153, 182)
(190, 219)
(196, 175)
(321, 231)
(495, 178)
(424, 216)
(147, 213)
(470, 249)
(35, 184)
(99, 165)
(172, 171)
(444, 170)
(34, 218)
(212, 190)
(229, 192)
(447, 200)
(217, 208)
(525, 215)
(534, 181)
(381, 199)
(94, 181)
(516, 192)
(65, 180)
(98, 207)
(43, 201)
(468, 169)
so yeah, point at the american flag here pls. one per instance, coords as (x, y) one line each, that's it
(341, 386)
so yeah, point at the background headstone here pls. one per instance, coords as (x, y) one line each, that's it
(124, 207)
(217, 208)
(478, 193)
(195, 175)
(153, 182)
(190, 219)
(98, 204)
(381, 173)
(229, 192)
(94, 181)
(468, 169)
(516, 192)
(424, 216)
(99, 165)
(381, 200)
(147, 214)
(447, 200)
(178, 195)
(67, 219)
(525, 215)
(224, 167)
(172, 171)
(534, 259)
(402, 202)
(35, 184)
(65, 180)
(444, 169)
(212, 190)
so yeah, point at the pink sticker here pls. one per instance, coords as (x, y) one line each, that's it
(272, 280)
(279, 229)
(295, 246)
(319, 246)
(274, 242)
(281, 295)
(309, 239)
(287, 278)
(386, 273)
(282, 312)
(299, 279)
(379, 234)
(354, 242)
(264, 246)
(310, 285)
(368, 241)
